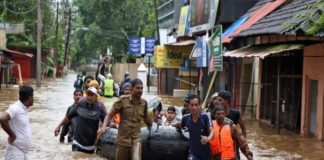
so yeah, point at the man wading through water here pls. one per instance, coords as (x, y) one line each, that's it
(15, 122)
(131, 109)
(87, 115)
(200, 130)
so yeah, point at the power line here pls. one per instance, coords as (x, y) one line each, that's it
(18, 12)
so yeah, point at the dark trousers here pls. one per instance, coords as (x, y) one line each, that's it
(78, 149)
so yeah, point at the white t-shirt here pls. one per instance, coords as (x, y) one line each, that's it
(19, 124)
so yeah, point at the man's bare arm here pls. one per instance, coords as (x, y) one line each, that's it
(4, 120)
(241, 141)
(57, 130)
(242, 125)
(107, 120)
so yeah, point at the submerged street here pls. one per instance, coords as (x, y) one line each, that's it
(55, 95)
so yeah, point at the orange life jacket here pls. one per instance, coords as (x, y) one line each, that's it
(222, 143)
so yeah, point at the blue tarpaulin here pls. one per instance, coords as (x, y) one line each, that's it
(235, 25)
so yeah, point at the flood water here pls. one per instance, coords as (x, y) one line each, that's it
(55, 95)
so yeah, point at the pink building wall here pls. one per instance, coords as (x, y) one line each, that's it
(313, 69)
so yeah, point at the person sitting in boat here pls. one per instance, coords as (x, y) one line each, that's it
(170, 119)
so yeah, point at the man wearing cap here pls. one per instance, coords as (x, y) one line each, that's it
(132, 110)
(95, 84)
(126, 89)
(87, 115)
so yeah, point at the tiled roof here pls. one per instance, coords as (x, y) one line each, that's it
(291, 18)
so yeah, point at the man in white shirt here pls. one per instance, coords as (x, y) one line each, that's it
(15, 122)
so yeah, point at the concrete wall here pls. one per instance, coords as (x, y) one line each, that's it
(3, 39)
(313, 70)
(119, 69)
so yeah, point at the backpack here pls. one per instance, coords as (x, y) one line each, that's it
(78, 82)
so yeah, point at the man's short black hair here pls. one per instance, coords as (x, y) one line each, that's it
(77, 90)
(136, 81)
(88, 77)
(193, 96)
(172, 108)
(226, 95)
(25, 92)
(217, 107)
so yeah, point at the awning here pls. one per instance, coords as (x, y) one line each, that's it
(262, 50)
(19, 53)
(182, 43)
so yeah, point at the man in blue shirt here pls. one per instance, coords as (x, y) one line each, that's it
(200, 130)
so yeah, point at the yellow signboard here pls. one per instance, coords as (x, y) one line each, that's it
(170, 57)
(159, 56)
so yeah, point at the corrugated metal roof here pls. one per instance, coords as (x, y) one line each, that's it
(288, 19)
(262, 51)
(235, 25)
(19, 53)
(255, 17)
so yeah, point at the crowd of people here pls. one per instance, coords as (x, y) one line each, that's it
(216, 132)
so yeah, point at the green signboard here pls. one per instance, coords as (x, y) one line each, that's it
(215, 44)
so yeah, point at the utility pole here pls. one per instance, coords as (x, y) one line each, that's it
(38, 57)
(56, 38)
(156, 23)
(67, 41)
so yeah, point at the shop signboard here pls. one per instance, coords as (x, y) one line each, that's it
(215, 47)
(141, 45)
(165, 57)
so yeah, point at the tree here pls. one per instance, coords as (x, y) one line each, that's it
(111, 23)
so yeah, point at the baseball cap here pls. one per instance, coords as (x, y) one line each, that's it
(93, 90)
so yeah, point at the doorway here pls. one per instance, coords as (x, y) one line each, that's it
(313, 84)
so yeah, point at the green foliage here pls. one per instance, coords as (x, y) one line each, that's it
(317, 27)
(111, 23)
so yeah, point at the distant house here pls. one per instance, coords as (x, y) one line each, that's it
(276, 65)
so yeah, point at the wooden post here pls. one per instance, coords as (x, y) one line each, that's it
(278, 97)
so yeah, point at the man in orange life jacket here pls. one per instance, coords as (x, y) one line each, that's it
(226, 137)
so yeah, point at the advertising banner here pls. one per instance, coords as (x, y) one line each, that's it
(201, 52)
(215, 45)
(183, 21)
(202, 15)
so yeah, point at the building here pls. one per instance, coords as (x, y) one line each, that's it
(275, 56)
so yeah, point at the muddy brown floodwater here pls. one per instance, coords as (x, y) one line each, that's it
(55, 95)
